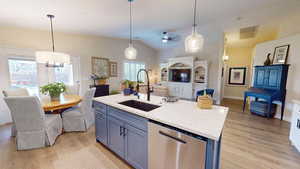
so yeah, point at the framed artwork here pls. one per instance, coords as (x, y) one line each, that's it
(100, 66)
(281, 54)
(113, 69)
(237, 76)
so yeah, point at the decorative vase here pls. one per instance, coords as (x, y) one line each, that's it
(127, 91)
(55, 97)
(101, 81)
(268, 60)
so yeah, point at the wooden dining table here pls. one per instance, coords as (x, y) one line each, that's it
(65, 101)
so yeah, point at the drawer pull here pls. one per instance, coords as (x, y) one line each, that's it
(298, 123)
(121, 130)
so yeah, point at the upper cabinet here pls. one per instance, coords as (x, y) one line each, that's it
(163, 72)
(200, 72)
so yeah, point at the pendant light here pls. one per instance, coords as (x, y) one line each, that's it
(52, 58)
(194, 42)
(130, 52)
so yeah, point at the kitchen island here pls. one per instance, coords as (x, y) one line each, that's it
(172, 135)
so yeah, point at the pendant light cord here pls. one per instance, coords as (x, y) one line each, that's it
(52, 36)
(195, 14)
(130, 14)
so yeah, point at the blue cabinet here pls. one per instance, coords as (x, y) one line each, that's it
(116, 135)
(270, 77)
(269, 85)
(123, 133)
(136, 147)
(101, 122)
(101, 127)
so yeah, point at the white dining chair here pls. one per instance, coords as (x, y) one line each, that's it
(34, 128)
(80, 118)
(73, 89)
(10, 93)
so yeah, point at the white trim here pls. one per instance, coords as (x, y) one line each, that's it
(234, 97)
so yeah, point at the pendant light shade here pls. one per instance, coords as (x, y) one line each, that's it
(194, 42)
(52, 58)
(130, 52)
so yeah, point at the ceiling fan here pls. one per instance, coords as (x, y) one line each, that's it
(167, 37)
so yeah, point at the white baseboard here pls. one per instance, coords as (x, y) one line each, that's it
(234, 97)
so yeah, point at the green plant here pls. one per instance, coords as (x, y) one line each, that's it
(129, 84)
(96, 77)
(53, 89)
(114, 92)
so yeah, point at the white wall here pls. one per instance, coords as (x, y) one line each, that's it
(23, 42)
(212, 52)
(293, 83)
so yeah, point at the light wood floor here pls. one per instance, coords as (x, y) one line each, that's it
(249, 142)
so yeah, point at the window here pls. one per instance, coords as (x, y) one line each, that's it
(131, 69)
(23, 74)
(64, 74)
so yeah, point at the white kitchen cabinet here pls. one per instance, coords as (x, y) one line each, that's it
(295, 125)
(182, 90)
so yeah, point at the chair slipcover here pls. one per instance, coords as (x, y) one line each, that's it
(80, 118)
(34, 128)
(72, 89)
(10, 93)
(15, 92)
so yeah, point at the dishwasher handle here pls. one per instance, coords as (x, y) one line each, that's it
(172, 137)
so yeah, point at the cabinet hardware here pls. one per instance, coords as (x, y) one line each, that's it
(124, 131)
(298, 123)
(172, 137)
(121, 130)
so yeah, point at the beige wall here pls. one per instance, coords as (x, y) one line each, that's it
(289, 25)
(238, 57)
(82, 46)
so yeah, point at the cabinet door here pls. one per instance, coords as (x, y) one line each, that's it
(259, 78)
(101, 127)
(136, 143)
(274, 78)
(115, 137)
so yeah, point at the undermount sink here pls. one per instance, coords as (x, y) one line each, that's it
(139, 105)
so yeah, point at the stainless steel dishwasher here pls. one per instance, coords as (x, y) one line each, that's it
(170, 148)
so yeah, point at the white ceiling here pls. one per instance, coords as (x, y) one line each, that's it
(151, 17)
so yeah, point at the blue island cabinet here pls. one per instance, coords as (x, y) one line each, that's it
(116, 140)
(123, 133)
(101, 122)
(136, 147)
(126, 135)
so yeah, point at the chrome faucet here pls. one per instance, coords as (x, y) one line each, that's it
(148, 83)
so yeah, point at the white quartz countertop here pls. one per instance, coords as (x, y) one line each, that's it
(183, 114)
(296, 101)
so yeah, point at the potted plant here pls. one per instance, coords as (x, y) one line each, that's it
(53, 90)
(98, 80)
(128, 87)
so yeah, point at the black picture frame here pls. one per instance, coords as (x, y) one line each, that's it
(285, 57)
(243, 76)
